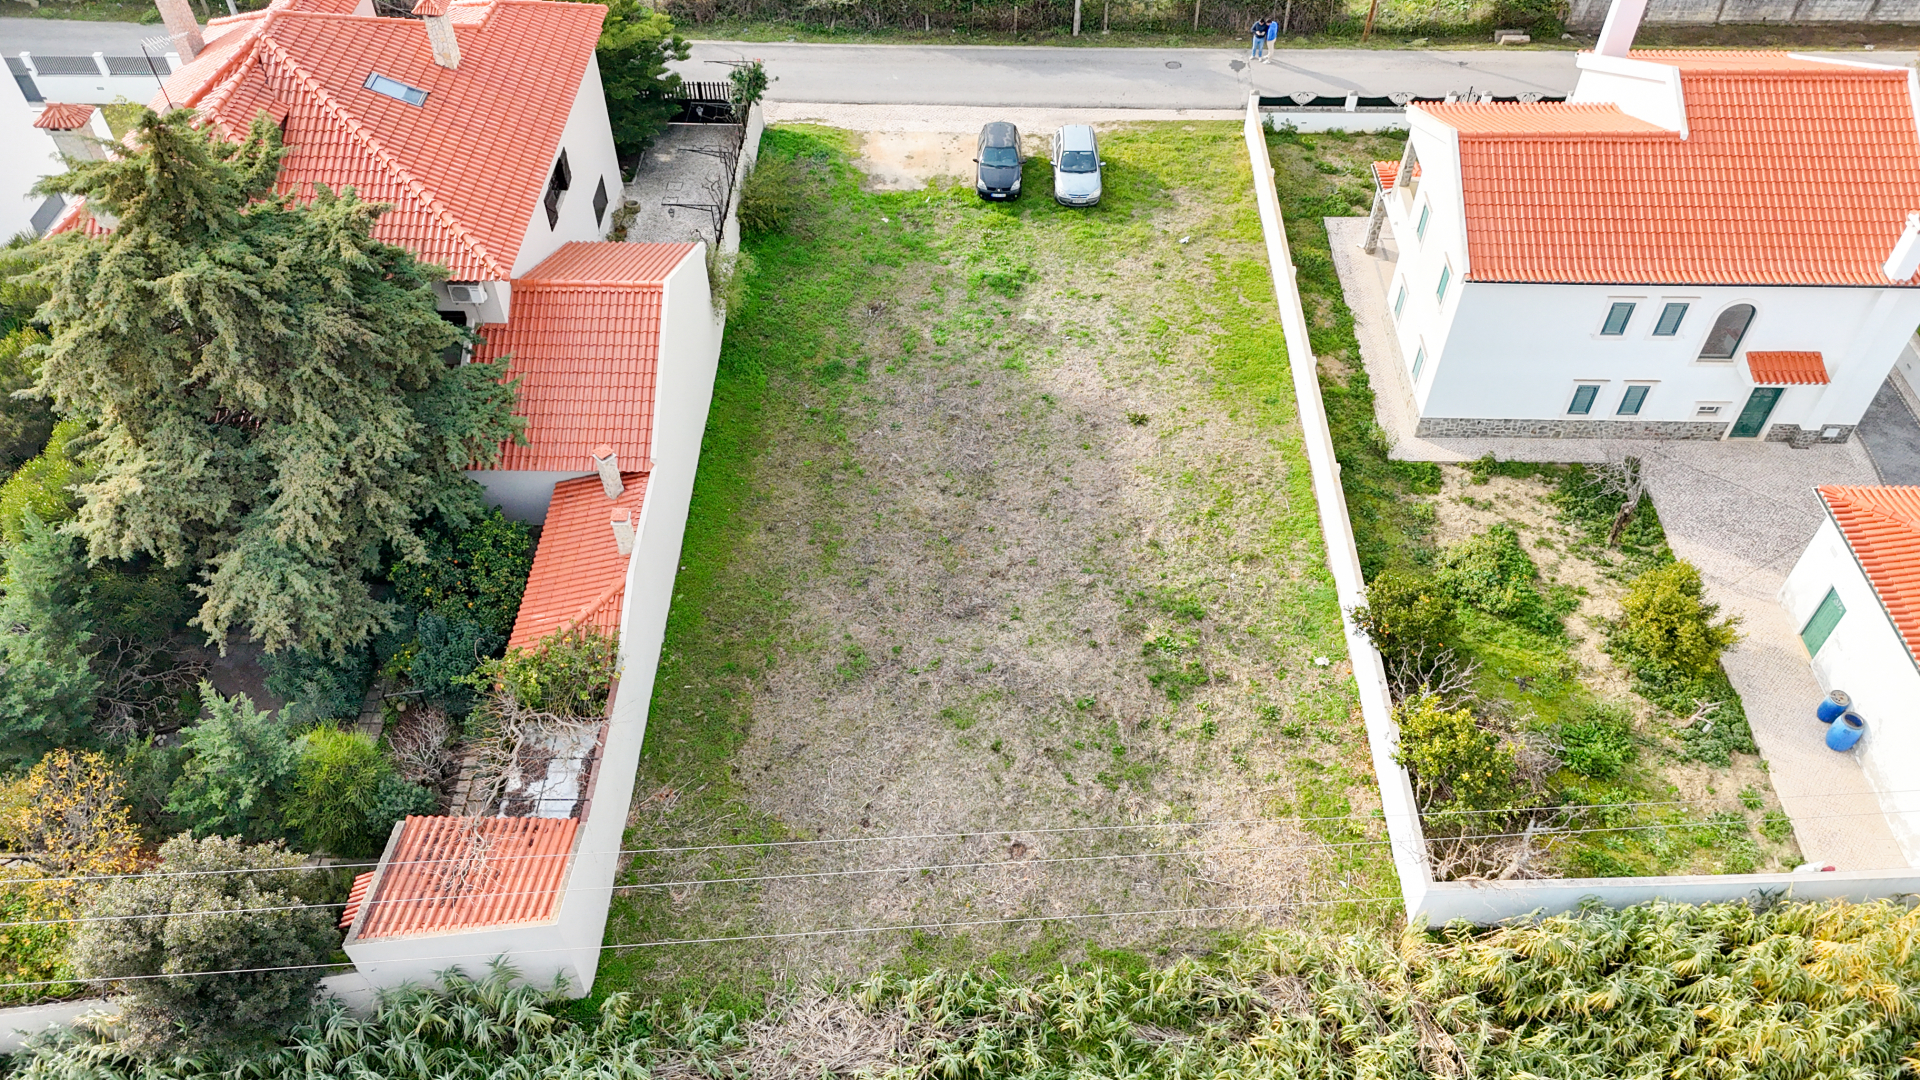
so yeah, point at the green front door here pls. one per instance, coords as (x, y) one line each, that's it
(1753, 418)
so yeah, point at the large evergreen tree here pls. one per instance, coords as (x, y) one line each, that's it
(271, 403)
(636, 42)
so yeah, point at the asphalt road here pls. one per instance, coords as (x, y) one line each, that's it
(74, 37)
(1137, 78)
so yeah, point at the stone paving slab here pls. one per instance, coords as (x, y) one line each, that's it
(1742, 513)
(672, 170)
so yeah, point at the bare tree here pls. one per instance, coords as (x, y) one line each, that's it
(1438, 672)
(1627, 481)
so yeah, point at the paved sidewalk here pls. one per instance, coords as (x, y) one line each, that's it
(1891, 434)
(1741, 512)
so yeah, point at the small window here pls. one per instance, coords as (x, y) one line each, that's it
(1419, 361)
(1631, 401)
(1400, 301)
(557, 185)
(1723, 341)
(1669, 321)
(1583, 399)
(1446, 275)
(600, 202)
(395, 89)
(1707, 409)
(1825, 618)
(1420, 228)
(1618, 316)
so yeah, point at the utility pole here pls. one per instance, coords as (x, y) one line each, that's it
(1076, 18)
(1196, 15)
(1367, 31)
(1105, 9)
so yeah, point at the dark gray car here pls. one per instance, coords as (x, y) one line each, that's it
(999, 158)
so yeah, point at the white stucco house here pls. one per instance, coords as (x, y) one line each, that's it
(1695, 245)
(1855, 597)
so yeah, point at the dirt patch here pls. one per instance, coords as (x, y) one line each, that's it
(907, 160)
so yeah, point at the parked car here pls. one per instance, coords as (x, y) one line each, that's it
(1076, 166)
(999, 160)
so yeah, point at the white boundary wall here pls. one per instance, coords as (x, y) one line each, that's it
(1428, 901)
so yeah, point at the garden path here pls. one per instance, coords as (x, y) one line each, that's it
(1742, 513)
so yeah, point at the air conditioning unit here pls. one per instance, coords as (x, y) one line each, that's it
(466, 292)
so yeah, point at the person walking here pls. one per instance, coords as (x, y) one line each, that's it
(1273, 37)
(1260, 38)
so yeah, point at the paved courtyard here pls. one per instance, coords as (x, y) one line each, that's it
(680, 167)
(1742, 513)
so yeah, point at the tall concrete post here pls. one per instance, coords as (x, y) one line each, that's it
(182, 27)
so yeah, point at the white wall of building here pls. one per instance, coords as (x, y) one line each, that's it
(1518, 351)
(588, 142)
(522, 495)
(1865, 657)
(1424, 317)
(31, 155)
(690, 337)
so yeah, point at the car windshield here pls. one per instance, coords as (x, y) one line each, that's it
(1000, 157)
(1078, 161)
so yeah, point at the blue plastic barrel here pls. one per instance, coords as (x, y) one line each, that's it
(1833, 705)
(1846, 731)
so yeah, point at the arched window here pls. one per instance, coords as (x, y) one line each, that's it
(1724, 339)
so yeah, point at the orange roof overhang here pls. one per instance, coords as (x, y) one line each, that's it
(1787, 368)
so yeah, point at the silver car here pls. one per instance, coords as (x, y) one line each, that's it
(1076, 166)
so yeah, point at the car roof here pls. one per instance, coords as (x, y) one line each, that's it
(1076, 137)
(999, 133)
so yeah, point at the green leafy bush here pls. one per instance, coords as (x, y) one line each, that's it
(1406, 612)
(1492, 572)
(25, 423)
(226, 922)
(345, 794)
(1598, 743)
(1665, 619)
(773, 193)
(1456, 763)
(568, 673)
(317, 687)
(474, 575)
(42, 486)
(242, 761)
(443, 656)
(47, 694)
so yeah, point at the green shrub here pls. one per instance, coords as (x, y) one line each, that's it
(1598, 743)
(1406, 612)
(474, 575)
(25, 423)
(241, 762)
(43, 485)
(568, 673)
(1665, 619)
(443, 654)
(1492, 572)
(316, 687)
(774, 191)
(346, 796)
(1456, 763)
(272, 917)
(48, 687)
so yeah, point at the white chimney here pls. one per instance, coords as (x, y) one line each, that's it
(446, 47)
(182, 27)
(1623, 21)
(607, 464)
(623, 531)
(1904, 260)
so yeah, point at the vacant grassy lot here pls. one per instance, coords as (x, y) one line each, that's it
(1004, 579)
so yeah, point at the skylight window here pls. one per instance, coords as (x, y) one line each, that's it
(395, 89)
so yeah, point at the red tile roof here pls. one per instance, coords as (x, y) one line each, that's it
(1385, 173)
(355, 897)
(584, 338)
(64, 117)
(1794, 172)
(465, 170)
(1787, 368)
(579, 576)
(1882, 526)
(463, 873)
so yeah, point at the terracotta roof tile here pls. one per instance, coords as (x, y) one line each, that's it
(1537, 118)
(1794, 172)
(64, 117)
(462, 195)
(451, 873)
(584, 340)
(1385, 173)
(579, 576)
(1882, 526)
(1787, 368)
(431, 7)
(355, 897)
